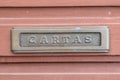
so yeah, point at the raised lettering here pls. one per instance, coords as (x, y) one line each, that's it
(55, 39)
(44, 40)
(88, 39)
(32, 39)
(66, 39)
(77, 39)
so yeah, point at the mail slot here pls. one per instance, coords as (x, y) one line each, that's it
(60, 39)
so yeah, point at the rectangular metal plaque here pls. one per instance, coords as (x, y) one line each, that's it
(60, 39)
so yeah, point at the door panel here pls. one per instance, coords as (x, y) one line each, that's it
(66, 16)
(60, 71)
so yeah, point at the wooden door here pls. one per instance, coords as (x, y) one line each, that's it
(50, 66)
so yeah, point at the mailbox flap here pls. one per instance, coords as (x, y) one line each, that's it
(57, 3)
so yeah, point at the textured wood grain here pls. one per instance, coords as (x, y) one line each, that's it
(42, 17)
(60, 71)
(54, 3)
(60, 68)
(61, 77)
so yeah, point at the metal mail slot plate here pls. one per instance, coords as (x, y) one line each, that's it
(60, 39)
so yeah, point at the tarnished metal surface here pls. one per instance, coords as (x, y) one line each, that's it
(60, 39)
